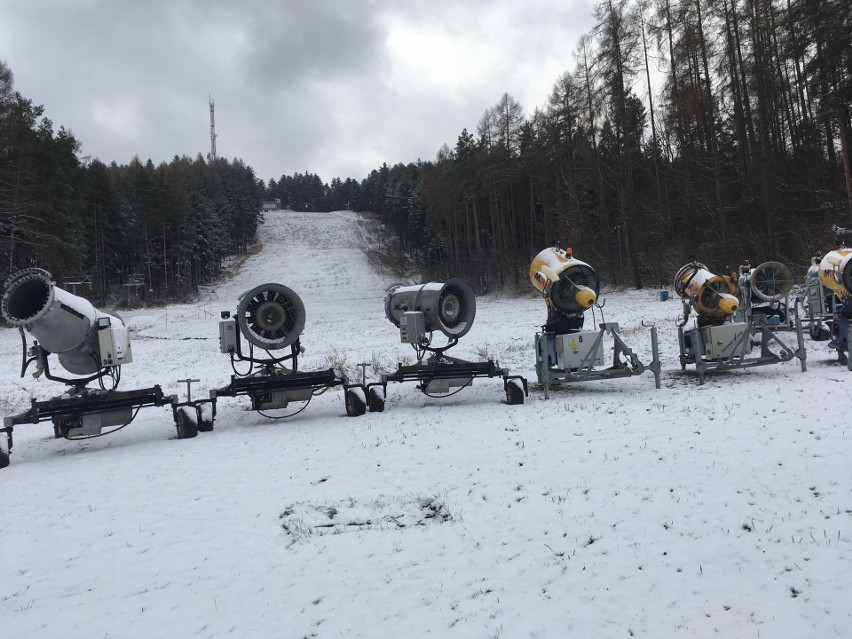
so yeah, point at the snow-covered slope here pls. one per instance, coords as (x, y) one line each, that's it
(610, 510)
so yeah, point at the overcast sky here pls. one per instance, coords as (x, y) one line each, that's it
(331, 87)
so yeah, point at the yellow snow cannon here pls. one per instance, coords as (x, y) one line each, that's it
(835, 272)
(713, 296)
(567, 284)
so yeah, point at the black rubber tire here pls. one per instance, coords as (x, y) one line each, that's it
(375, 401)
(514, 392)
(355, 404)
(185, 423)
(5, 460)
(205, 426)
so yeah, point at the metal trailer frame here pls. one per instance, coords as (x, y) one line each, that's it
(272, 377)
(257, 388)
(704, 366)
(82, 402)
(625, 363)
(94, 402)
(442, 367)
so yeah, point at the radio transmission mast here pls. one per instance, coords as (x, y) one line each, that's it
(212, 155)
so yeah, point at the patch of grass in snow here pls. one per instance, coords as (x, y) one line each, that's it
(302, 520)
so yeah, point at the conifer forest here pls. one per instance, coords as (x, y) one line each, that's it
(715, 130)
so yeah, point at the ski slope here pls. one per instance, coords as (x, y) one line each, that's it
(610, 510)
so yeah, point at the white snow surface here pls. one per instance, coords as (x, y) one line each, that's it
(610, 510)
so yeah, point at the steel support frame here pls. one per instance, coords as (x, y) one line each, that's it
(444, 367)
(767, 355)
(89, 403)
(625, 363)
(295, 381)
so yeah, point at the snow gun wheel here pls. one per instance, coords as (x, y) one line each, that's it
(206, 412)
(375, 402)
(187, 428)
(514, 392)
(5, 449)
(355, 404)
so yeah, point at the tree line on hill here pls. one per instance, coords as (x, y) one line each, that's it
(159, 230)
(713, 130)
(739, 149)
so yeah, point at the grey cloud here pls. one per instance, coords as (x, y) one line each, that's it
(298, 85)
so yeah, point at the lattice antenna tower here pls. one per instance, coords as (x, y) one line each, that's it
(212, 155)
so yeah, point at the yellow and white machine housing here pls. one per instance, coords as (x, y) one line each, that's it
(835, 272)
(569, 285)
(714, 297)
(835, 275)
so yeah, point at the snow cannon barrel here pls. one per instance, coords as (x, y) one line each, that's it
(271, 316)
(447, 307)
(84, 338)
(768, 282)
(835, 272)
(568, 284)
(714, 296)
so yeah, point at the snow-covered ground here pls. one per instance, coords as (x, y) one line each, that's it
(610, 510)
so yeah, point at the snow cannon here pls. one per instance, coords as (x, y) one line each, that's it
(271, 317)
(564, 353)
(768, 282)
(727, 330)
(765, 299)
(84, 338)
(835, 272)
(568, 284)
(91, 345)
(714, 297)
(447, 307)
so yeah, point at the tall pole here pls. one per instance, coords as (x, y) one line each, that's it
(212, 156)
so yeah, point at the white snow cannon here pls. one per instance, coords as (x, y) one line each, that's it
(271, 317)
(447, 307)
(88, 343)
(564, 352)
(450, 308)
(84, 338)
